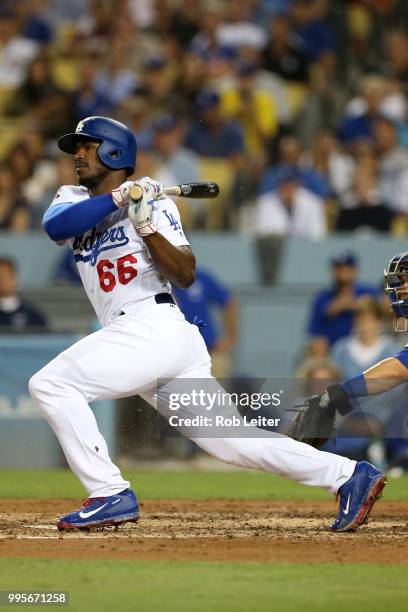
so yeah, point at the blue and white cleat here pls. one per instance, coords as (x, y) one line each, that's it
(357, 497)
(103, 511)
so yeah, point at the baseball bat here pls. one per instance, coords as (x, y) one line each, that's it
(187, 190)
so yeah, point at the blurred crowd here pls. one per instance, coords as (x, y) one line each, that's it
(298, 108)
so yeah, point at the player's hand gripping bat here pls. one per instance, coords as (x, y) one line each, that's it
(187, 190)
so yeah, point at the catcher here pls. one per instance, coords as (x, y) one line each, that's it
(315, 421)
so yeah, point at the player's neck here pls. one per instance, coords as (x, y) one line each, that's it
(111, 181)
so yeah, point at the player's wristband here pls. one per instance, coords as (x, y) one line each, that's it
(341, 394)
(355, 386)
(339, 399)
(146, 230)
(118, 197)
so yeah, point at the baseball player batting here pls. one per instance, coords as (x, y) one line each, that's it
(128, 252)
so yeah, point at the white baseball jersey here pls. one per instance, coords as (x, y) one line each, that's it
(113, 261)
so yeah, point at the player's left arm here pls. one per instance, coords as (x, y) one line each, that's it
(157, 221)
(177, 263)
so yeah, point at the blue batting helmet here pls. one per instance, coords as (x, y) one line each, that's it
(395, 278)
(118, 144)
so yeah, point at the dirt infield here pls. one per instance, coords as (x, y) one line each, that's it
(218, 530)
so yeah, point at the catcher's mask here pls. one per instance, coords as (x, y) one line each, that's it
(396, 288)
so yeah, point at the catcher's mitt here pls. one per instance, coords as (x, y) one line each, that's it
(314, 422)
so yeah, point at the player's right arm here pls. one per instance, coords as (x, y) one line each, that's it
(314, 423)
(164, 239)
(387, 374)
(381, 377)
(66, 218)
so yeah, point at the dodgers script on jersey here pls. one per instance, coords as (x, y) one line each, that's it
(113, 261)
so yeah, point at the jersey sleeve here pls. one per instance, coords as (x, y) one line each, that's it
(402, 356)
(68, 194)
(167, 219)
(61, 198)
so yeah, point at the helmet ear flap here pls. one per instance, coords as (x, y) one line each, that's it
(116, 154)
(112, 156)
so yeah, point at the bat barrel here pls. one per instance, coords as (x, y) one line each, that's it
(199, 190)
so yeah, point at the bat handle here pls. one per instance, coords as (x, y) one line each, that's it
(135, 193)
(173, 191)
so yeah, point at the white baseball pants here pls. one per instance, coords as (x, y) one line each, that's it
(126, 358)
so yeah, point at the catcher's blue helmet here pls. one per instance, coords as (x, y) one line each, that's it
(118, 144)
(395, 277)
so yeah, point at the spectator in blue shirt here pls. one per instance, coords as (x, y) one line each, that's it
(36, 26)
(284, 53)
(358, 125)
(308, 178)
(331, 317)
(210, 135)
(197, 303)
(291, 157)
(87, 100)
(313, 29)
